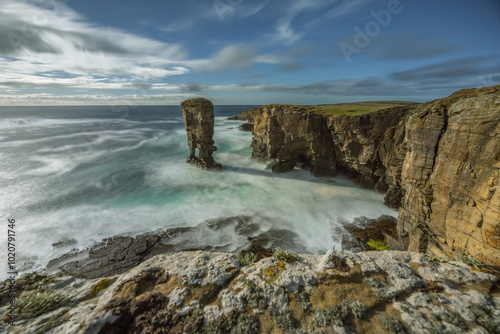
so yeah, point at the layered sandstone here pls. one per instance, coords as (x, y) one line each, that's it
(290, 136)
(367, 147)
(451, 176)
(438, 162)
(199, 122)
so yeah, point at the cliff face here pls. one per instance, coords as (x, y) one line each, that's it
(290, 137)
(368, 147)
(451, 176)
(438, 162)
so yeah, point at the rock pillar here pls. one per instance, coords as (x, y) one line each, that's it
(199, 122)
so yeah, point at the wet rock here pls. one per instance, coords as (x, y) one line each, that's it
(199, 122)
(110, 257)
(362, 230)
(246, 127)
(64, 243)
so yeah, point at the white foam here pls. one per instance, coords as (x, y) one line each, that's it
(171, 193)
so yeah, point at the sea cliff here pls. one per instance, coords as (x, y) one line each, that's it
(437, 162)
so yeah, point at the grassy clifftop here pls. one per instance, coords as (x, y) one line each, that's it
(354, 108)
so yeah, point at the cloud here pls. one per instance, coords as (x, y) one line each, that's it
(461, 69)
(284, 30)
(36, 40)
(191, 87)
(347, 7)
(226, 11)
(180, 25)
(408, 46)
(95, 99)
(233, 56)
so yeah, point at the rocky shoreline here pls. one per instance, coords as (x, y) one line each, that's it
(211, 292)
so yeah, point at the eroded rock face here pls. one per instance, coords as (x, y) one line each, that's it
(368, 147)
(451, 176)
(289, 136)
(199, 122)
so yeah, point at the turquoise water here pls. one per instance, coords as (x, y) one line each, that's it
(87, 173)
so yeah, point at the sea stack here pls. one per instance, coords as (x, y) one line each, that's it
(199, 122)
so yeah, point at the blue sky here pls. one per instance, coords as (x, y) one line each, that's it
(131, 52)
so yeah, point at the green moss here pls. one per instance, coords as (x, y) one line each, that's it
(40, 302)
(100, 286)
(284, 255)
(380, 246)
(246, 259)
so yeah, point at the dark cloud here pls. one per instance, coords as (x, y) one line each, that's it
(341, 87)
(400, 46)
(408, 46)
(458, 69)
(138, 85)
(191, 87)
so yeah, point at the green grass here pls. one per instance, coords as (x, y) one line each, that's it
(40, 302)
(380, 246)
(355, 108)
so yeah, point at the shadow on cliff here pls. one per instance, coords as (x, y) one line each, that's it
(287, 176)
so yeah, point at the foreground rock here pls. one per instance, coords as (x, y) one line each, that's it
(438, 162)
(204, 292)
(199, 122)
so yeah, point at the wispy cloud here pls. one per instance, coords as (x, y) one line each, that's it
(346, 7)
(232, 57)
(460, 69)
(40, 40)
(285, 32)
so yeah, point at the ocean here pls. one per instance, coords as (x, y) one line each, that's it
(87, 173)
